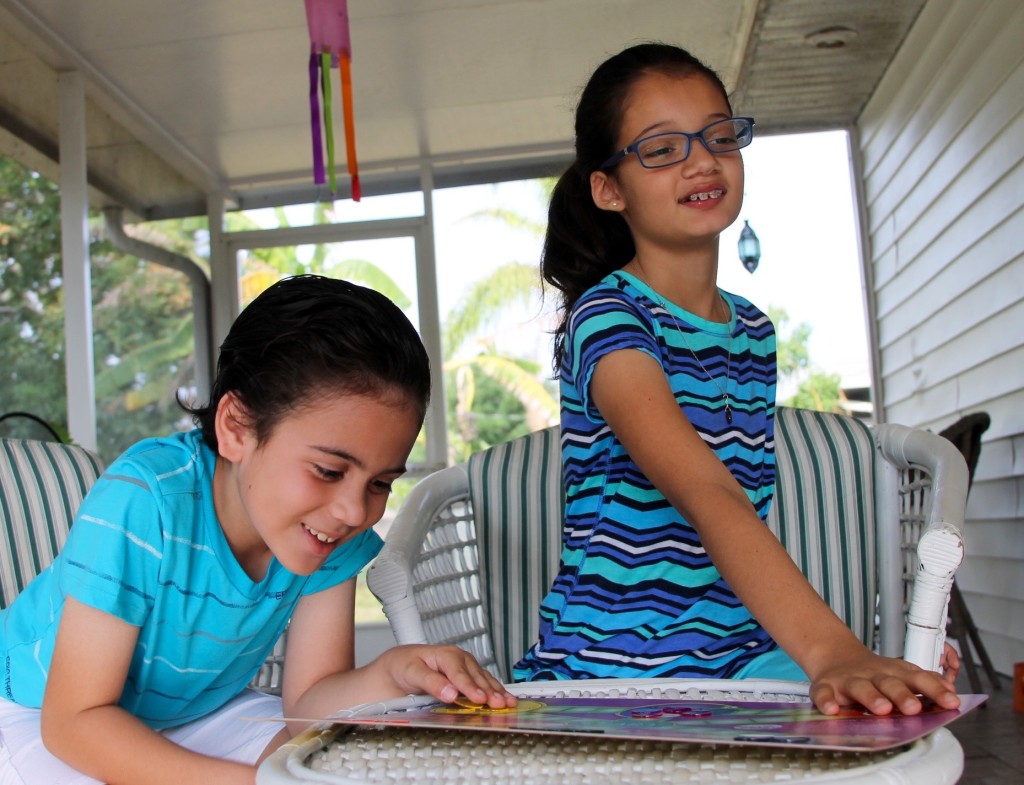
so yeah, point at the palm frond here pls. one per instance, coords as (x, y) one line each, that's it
(368, 274)
(484, 300)
(541, 407)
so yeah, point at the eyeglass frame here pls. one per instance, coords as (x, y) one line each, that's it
(634, 147)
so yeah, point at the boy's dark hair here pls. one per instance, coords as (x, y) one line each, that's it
(308, 336)
(583, 243)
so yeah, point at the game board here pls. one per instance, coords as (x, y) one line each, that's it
(733, 722)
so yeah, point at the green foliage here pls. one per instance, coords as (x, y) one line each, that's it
(143, 332)
(139, 310)
(31, 309)
(821, 392)
(486, 416)
(817, 390)
(143, 344)
(793, 356)
(143, 335)
(510, 218)
(369, 274)
(483, 301)
(492, 398)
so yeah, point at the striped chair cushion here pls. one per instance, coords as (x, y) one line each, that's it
(518, 503)
(41, 486)
(824, 509)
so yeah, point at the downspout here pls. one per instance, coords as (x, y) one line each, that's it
(200, 291)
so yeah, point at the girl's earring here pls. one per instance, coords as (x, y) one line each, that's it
(613, 205)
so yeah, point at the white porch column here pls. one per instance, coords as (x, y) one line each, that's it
(224, 294)
(436, 423)
(74, 218)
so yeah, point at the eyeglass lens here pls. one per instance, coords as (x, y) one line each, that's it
(721, 137)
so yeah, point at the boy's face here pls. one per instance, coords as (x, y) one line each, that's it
(323, 476)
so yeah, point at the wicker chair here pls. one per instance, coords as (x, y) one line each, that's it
(872, 516)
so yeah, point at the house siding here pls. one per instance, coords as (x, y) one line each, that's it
(940, 146)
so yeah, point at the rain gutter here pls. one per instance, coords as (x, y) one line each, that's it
(198, 281)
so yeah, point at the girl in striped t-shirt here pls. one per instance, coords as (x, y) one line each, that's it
(668, 400)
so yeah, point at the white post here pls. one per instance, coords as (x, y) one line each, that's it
(430, 328)
(223, 277)
(74, 218)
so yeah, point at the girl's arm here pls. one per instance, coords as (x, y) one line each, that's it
(320, 677)
(630, 390)
(83, 725)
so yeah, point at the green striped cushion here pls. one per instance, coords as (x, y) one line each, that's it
(518, 502)
(823, 513)
(41, 486)
(824, 509)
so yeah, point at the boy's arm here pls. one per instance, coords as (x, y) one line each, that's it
(83, 725)
(320, 677)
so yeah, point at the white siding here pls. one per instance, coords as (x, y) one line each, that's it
(941, 145)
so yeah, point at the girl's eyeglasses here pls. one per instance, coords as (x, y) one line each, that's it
(654, 152)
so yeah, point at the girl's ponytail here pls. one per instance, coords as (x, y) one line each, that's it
(582, 245)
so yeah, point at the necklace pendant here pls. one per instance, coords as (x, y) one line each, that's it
(728, 413)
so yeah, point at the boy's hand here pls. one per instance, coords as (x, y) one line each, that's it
(881, 684)
(444, 672)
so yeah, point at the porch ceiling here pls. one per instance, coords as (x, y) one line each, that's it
(196, 97)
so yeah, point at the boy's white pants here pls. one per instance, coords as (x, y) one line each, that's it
(25, 761)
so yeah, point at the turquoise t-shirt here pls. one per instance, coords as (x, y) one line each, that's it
(146, 547)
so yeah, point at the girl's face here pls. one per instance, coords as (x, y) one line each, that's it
(322, 477)
(685, 204)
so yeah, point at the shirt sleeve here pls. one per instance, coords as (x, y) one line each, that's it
(113, 554)
(601, 324)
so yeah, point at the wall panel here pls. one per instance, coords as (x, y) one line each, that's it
(941, 153)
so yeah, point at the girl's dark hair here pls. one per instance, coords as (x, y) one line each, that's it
(309, 336)
(584, 243)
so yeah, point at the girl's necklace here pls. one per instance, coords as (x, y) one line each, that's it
(728, 365)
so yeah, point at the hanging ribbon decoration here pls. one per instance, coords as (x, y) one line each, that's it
(330, 47)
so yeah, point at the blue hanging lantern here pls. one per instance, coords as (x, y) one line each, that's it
(749, 247)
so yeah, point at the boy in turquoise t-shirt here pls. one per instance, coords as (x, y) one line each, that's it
(128, 658)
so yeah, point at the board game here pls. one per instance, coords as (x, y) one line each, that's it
(732, 722)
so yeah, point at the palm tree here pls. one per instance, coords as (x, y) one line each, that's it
(471, 334)
(472, 354)
(488, 385)
(816, 389)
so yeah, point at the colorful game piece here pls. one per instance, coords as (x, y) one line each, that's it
(463, 705)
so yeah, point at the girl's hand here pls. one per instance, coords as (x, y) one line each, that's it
(881, 685)
(444, 672)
